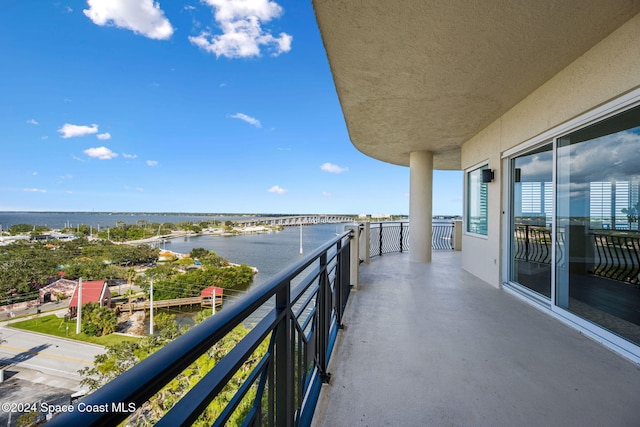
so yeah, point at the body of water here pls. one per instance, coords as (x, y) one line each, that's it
(269, 253)
(59, 220)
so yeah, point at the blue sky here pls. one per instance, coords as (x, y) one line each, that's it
(182, 106)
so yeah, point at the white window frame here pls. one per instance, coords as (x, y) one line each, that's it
(466, 200)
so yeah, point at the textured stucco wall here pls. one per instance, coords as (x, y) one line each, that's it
(605, 72)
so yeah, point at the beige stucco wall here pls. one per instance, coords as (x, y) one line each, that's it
(605, 72)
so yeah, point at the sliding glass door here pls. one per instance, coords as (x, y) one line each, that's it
(589, 270)
(531, 219)
(598, 261)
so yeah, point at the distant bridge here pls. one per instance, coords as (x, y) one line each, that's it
(295, 220)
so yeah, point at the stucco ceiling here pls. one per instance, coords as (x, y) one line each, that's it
(417, 75)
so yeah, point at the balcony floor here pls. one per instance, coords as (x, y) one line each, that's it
(430, 344)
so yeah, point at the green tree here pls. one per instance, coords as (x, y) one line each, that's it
(98, 321)
(121, 356)
(198, 253)
(28, 419)
(27, 228)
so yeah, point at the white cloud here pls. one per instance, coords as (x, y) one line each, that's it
(34, 190)
(276, 189)
(141, 16)
(104, 136)
(139, 189)
(129, 156)
(70, 131)
(102, 153)
(248, 119)
(32, 122)
(242, 33)
(326, 194)
(152, 163)
(34, 173)
(331, 168)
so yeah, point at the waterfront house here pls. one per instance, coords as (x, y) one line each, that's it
(92, 291)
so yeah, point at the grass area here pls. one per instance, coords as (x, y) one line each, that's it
(53, 325)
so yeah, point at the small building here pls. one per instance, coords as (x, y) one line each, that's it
(207, 295)
(93, 291)
(58, 290)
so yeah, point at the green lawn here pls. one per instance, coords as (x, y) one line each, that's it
(53, 325)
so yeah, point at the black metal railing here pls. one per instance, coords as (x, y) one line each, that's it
(442, 237)
(532, 243)
(389, 237)
(299, 312)
(617, 256)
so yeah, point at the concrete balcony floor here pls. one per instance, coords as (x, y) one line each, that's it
(430, 344)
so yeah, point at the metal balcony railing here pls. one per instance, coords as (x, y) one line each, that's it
(389, 237)
(298, 313)
(616, 254)
(532, 243)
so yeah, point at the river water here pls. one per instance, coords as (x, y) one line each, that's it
(269, 253)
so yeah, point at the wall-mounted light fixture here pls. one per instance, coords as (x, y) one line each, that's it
(487, 175)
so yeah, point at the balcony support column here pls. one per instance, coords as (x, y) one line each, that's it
(420, 205)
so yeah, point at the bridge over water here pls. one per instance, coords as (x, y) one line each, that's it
(295, 220)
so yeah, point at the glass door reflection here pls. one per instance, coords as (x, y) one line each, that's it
(531, 217)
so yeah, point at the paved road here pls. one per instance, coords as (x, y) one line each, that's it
(39, 368)
(47, 354)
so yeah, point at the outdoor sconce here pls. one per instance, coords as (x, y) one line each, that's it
(487, 175)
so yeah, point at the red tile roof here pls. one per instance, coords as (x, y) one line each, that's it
(91, 292)
(208, 292)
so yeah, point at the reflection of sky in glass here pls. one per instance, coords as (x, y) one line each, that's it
(536, 167)
(533, 192)
(608, 158)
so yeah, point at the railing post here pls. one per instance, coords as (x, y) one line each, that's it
(364, 242)
(457, 235)
(324, 320)
(283, 360)
(354, 260)
(401, 237)
(338, 284)
(380, 245)
(345, 277)
(451, 231)
(526, 242)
